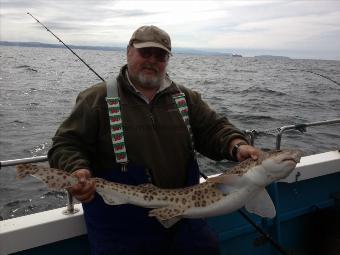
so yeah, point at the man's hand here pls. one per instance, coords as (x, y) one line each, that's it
(244, 151)
(248, 151)
(84, 190)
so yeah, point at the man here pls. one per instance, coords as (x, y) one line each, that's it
(160, 125)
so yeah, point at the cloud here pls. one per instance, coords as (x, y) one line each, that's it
(286, 31)
(277, 24)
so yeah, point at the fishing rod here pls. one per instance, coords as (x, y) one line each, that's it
(323, 76)
(275, 244)
(312, 72)
(66, 46)
(263, 233)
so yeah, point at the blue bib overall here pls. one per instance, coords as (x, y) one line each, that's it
(127, 229)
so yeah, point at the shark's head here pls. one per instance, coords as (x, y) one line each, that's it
(279, 164)
(270, 166)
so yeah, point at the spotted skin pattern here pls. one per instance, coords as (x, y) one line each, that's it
(218, 195)
(54, 178)
(174, 201)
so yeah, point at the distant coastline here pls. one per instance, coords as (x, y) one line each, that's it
(50, 45)
(270, 57)
(108, 48)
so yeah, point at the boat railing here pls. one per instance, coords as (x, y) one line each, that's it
(253, 134)
(70, 209)
(279, 131)
(14, 162)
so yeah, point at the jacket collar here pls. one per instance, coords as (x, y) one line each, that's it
(168, 87)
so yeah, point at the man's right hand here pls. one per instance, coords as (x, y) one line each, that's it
(84, 190)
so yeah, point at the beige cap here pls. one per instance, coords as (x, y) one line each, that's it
(151, 36)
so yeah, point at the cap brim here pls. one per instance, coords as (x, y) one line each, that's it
(150, 44)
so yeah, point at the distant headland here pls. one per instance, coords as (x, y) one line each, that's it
(203, 52)
(108, 48)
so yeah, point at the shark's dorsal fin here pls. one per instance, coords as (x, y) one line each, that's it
(167, 216)
(262, 205)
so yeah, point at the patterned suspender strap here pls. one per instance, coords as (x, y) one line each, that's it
(182, 107)
(116, 126)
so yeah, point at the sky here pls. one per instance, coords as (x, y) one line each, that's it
(297, 29)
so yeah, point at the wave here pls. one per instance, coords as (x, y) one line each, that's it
(19, 123)
(208, 82)
(252, 93)
(244, 71)
(17, 202)
(40, 149)
(262, 91)
(20, 207)
(22, 66)
(252, 118)
(55, 194)
(26, 67)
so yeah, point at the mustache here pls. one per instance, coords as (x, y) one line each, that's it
(150, 66)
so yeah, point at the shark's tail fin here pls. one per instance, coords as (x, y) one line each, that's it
(25, 169)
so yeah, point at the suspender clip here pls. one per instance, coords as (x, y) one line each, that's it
(124, 167)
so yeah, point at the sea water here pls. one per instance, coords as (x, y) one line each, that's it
(39, 87)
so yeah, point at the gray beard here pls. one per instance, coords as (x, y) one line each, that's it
(148, 83)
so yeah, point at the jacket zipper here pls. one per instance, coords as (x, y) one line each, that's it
(152, 121)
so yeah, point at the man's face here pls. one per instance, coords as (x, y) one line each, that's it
(147, 66)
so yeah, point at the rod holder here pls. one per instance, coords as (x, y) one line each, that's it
(252, 135)
(70, 205)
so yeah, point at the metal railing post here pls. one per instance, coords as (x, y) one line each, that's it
(302, 128)
(252, 135)
(70, 205)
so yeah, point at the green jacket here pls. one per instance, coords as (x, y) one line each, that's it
(155, 134)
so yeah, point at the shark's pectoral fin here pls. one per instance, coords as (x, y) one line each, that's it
(167, 216)
(261, 205)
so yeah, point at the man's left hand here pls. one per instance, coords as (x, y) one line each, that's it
(248, 151)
